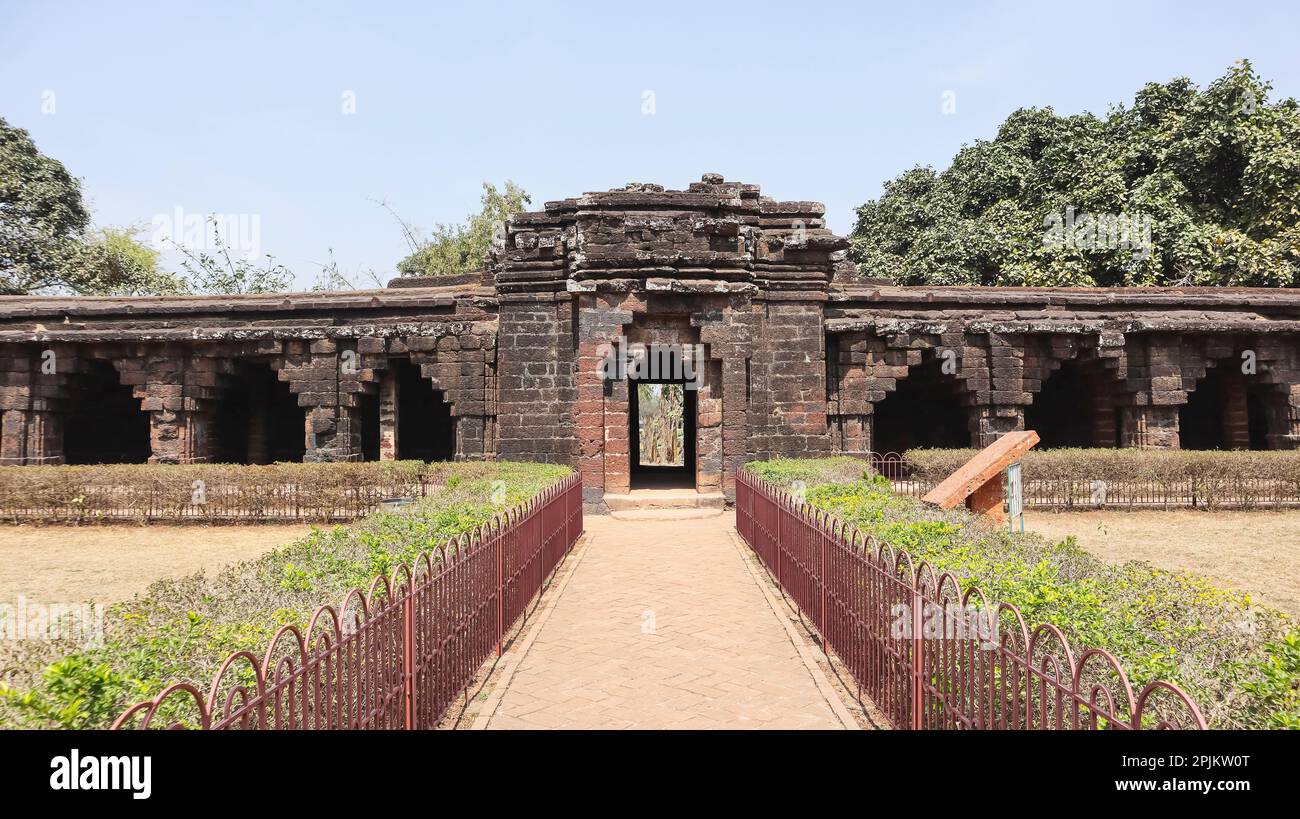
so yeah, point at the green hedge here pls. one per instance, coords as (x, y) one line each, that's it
(184, 629)
(213, 492)
(1239, 660)
(1139, 477)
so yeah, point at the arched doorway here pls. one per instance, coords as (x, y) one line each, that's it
(1228, 410)
(426, 430)
(1072, 408)
(925, 410)
(258, 419)
(104, 423)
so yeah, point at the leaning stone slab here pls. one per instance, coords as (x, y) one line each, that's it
(978, 482)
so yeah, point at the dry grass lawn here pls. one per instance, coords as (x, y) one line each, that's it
(1255, 552)
(111, 563)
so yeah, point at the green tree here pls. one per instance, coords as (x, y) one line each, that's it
(46, 244)
(454, 249)
(42, 217)
(1185, 186)
(112, 262)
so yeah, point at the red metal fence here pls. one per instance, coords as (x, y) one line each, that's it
(927, 654)
(399, 655)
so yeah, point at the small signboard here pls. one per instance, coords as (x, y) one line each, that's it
(1015, 497)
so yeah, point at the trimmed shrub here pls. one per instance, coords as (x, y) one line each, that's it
(206, 493)
(1138, 477)
(1239, 660)
(185, 628)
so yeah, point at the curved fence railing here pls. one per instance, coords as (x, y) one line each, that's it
(927, 654)
(397, 655)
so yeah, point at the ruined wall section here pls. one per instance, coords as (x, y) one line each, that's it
(537, 391)
(1146, 350)
(180, 356)
(795, 260)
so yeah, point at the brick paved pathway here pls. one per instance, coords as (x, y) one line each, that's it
(662, 625)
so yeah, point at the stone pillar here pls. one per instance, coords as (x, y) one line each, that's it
(852, 434)
(618, 454)
(853, 389)
(600, 392)
(1236, 420)
(45, 437)
(175, 386)
(315, 375)
(1104, 433)
(1007, 396)
(33, 396)
(31, 437)
(181, 437)
(735, 421)
(328, 435)
(176, 435)
(1284, 420)
(13, 437)
(589, 419)
(1156, 377)
(1150, 427)
(710, 405)
(388, 418)
(472, 406)
(991, 423)
(259, 422)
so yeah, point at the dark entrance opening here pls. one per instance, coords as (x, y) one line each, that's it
(105, 424)
(258, 418)
(923, 411)
(1225, 411)
(661, 434)
(1200, 420)
(1069, 409)
(426, 430)
(1257, 415)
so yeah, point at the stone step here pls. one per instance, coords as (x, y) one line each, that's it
(667, 514)
(665, 499)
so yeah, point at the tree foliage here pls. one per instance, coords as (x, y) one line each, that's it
(113, 262)
(42, 217)
(454, 249)
(1211, 177)
(46, 244)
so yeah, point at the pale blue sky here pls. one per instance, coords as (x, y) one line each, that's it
(236, 108)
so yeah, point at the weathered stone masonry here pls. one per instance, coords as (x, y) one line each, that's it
(181, 357)
(1144, 352)
(803, 355)
(716, 266)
